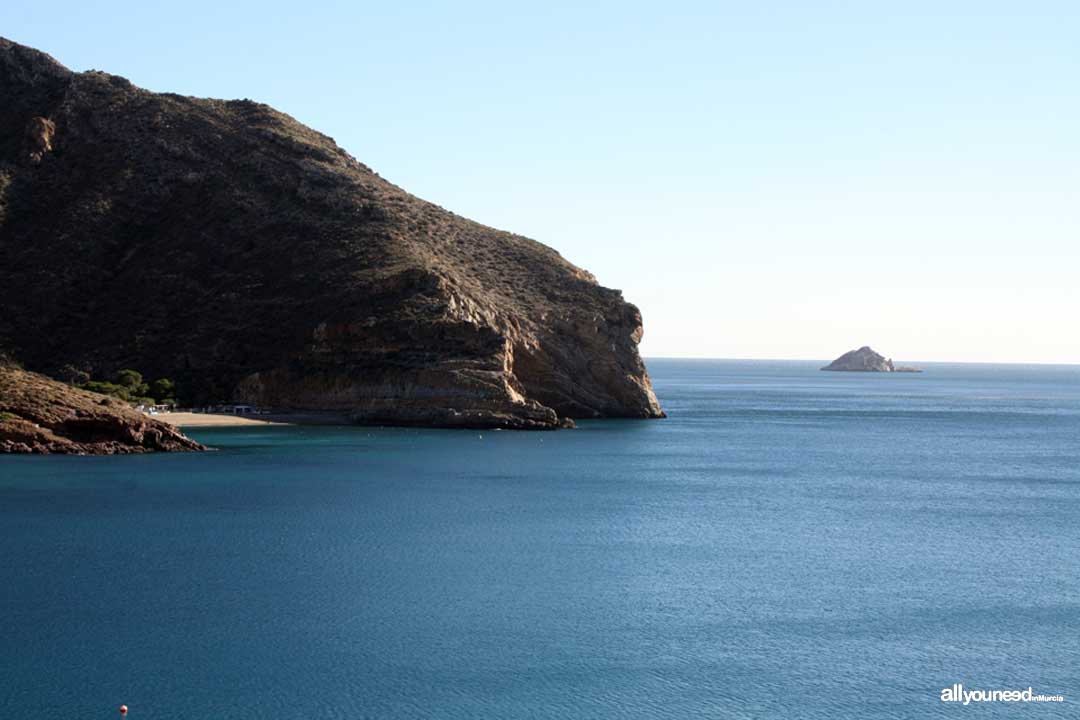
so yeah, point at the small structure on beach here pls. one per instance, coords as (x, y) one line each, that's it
(239, 409)
(155, 409)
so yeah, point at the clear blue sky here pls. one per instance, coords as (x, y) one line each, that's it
(766, 179)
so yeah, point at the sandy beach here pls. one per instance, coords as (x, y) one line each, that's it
(189, 419)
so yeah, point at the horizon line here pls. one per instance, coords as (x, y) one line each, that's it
(827, 360)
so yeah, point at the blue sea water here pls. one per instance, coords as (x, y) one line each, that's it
(787, 544)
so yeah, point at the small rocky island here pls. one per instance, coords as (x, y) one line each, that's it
(866, 360)
(43, 416)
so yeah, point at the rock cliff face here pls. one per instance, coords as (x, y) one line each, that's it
(862, 360)
(228, 246)
(39, 415)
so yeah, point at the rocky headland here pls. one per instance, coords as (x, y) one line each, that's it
(43, 416)
(866, 360)
(224, 244)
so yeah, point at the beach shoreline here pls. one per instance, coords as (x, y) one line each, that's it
(190, 419)
(193, 419)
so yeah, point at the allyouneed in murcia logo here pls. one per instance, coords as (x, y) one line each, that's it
(957, 693)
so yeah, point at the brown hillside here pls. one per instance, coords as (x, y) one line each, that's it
(226, 245)
(39, 415)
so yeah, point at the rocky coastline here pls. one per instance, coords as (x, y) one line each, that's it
(42, 416)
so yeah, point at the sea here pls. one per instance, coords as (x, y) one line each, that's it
(788, 543)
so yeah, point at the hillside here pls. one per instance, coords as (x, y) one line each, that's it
(226, 245)
(39, 415)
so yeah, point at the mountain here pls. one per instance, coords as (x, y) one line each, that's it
(40, 415)
(227, 246)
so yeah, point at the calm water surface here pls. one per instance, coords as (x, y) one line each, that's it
(788, 544)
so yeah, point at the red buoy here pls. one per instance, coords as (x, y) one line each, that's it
(123, 709)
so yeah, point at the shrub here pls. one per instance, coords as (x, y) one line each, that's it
(107, 388)
(129, 386)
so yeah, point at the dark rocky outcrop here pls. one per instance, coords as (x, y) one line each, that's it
(866, 360)
(226, 245)
(40, 415)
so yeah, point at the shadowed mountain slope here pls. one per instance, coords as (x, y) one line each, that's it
(226, 245)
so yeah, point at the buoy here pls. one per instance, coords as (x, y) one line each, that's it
(123, 709)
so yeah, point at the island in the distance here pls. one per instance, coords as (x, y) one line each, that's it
(866, 360)
(227, 246)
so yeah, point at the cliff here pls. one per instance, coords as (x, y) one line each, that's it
(224, 244)
(39, 415)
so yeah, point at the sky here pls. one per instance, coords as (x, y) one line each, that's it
(763, 180)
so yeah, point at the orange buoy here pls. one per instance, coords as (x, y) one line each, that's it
(123, 709)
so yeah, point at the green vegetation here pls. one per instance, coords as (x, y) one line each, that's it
(132, 380)
(107, 388)
(163, 388)
(8, 416)
(128, 385)
(73, 375)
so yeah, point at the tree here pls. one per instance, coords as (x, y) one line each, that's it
(163, 388)
(129, 378)
(73, 375)
(133, 381)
